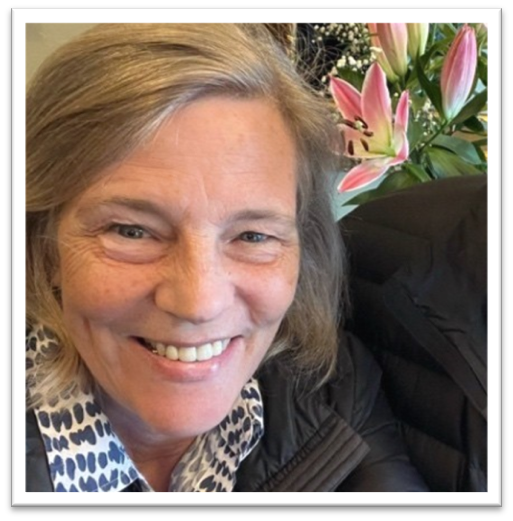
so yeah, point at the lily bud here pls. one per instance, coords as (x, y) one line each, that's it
(417, 39)
(458, 71)
(391, 43)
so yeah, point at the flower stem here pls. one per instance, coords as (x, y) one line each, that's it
(424, 145)
(398, 86)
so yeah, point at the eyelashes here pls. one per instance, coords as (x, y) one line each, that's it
(254, 237)
(138, 232)
(129, 231)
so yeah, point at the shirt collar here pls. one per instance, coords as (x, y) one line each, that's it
(85, 455)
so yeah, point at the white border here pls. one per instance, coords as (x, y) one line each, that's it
(23, 16)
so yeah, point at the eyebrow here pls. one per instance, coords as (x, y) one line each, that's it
(258, 214)
(142, 205)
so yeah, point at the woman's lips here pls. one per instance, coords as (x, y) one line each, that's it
(188, 354)
(179, 371)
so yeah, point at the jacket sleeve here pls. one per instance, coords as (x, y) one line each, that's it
(386, 468)
(418, 263)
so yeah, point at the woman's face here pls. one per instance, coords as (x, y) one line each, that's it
(189, 248)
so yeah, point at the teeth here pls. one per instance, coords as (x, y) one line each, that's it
(217, 348)
(171, 352)
(204, 352)
(190, 354)
(187, 355)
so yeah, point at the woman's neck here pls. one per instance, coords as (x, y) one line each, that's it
(154, 454)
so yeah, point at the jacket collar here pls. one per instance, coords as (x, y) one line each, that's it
(307, 446)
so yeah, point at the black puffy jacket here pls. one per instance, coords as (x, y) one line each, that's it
(341, 438)
(419, 292)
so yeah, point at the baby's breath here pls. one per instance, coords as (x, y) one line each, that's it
(428, 117)
(352, 41)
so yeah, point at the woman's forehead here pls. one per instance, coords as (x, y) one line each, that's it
(220, 149)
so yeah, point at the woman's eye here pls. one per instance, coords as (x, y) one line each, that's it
(253, 237)
(129, 231)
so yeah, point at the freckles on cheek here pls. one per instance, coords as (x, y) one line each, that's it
(272, 296)
(93, 288)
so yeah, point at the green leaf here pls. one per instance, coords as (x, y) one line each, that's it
(448, 30)
(479, 151)
(429, 63)
(440, 48)
(460, 147)
(475, 125)
(433, 31)
(352, 77)
(446, 164)
(437, 63)
(396, 181)
(412, 83)
(431, 88)
(482, 69)
(418, 171)
(415, 133)
(473, 107)
(431, 50)
(362, 198)
(391, 182)
(417, 100)
(480, 142)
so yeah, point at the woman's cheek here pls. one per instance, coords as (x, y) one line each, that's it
(100, 289)
(271, 289)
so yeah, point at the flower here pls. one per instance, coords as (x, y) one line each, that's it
(390, 41)
(458, 71)
(417, 39)
(368, 129)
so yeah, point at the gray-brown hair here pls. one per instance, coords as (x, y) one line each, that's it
(103, 94)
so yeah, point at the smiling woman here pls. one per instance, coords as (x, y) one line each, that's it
(198, 279)
(184, 275)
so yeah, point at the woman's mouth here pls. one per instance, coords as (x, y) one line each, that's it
(189, 354)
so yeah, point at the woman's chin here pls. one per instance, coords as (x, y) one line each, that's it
(175, 417)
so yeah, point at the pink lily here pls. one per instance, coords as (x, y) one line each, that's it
(369, 132)
(391, 43)
(458, 71)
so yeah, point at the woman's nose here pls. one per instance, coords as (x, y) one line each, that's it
(196, 286)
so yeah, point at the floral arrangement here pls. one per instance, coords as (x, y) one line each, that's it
(411, 102)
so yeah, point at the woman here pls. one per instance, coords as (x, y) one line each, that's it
(183, 275)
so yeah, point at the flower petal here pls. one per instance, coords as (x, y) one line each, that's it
(359, 146)
(402, 151)
(364, 174)
(377, 108)
(347, 98)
